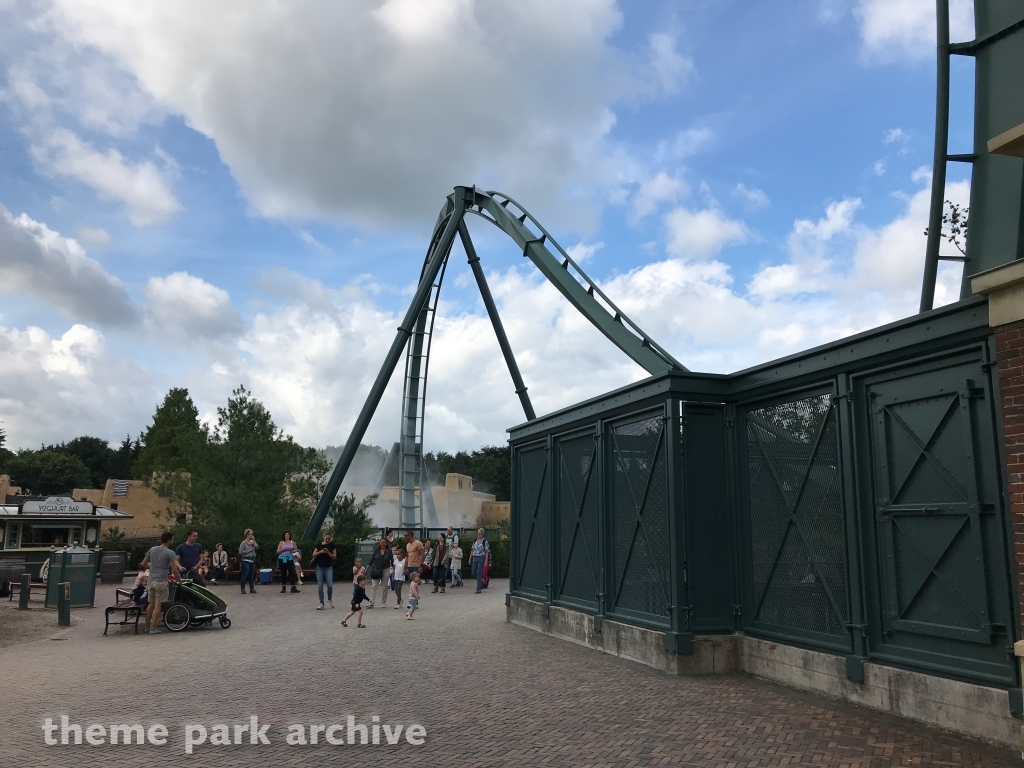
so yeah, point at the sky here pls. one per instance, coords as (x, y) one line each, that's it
(241, 193)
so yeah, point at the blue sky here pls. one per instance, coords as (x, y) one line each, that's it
(207, 197)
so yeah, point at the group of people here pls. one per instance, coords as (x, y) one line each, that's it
(199, 563)
(289, 562)
(390, 567)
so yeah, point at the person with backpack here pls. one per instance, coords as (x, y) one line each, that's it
(480, 559)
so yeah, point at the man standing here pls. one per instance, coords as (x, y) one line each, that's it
(413, 552)
(189, 554)
(160, 561)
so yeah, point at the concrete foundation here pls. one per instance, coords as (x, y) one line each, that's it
(712, 654)
(973, 710)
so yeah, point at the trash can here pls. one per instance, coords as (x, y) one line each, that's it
(11, 568)
(266, 575)
(112, 567)
(364, 550)
(76, 565)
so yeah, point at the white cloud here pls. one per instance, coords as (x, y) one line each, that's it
(94, 236)
(669, 69)
(38, 262)
(779, 280)
(893, 30)
(866, 273)
(142, 187)
(895, 134)
(752, 196)
(878, 168)
(357, 126)
(660, 188)
(702, 233)
(582, 251)
(183, 307)
(55, 388)
(684, 144)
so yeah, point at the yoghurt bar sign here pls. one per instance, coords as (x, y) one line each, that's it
(57, 505)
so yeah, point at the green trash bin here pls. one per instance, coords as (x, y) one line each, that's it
(76, 565)
(364, 550)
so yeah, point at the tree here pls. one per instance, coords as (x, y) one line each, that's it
(249, 475)
(490, 467)
(94, 453)
(122, 463)
(174, 439)
(47, 472)
(5, 454)
(349, 523)
(954, 225)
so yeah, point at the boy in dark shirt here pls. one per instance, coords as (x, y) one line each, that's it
(358, 595)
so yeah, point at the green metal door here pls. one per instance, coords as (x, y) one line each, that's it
(942, 596)
(578, 519)
(796, 575)
(639, 509)
(531, 520)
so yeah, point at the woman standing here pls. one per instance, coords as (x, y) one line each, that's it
(480, 558)
(286, 560)
(441, 558)
(247, 564)
(323, 560)
(380, 572)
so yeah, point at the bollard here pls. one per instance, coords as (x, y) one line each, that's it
(64, 604)
(26, 580)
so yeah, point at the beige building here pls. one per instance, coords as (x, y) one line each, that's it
(457, 504)
(6, 489)
(149, 509)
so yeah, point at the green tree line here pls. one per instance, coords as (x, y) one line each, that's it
(239, 472)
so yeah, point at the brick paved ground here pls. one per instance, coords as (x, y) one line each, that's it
(519, 698)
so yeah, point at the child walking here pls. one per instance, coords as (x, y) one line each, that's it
(414, 595)
(358, 595)
(399, 576)
(358, 570)
(456, 565)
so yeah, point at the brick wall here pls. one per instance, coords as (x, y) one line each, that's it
(1010, 356)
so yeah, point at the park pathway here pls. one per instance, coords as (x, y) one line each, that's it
(487, 693)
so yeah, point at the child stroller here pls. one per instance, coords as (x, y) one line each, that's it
(193, 605)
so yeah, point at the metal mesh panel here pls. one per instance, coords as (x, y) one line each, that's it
(640, 516)
(798, 546)
(578, 519)
(533, 522)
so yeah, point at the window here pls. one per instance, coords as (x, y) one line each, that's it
(12, 535)
(48, 535)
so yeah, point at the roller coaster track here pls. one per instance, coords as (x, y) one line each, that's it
(416, 331)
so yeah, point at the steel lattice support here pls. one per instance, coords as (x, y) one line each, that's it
(414, 336)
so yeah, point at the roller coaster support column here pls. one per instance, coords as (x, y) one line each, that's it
(499, 329)
(438, 256)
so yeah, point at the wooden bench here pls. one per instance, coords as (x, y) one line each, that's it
(128, 606)
(34, 586)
